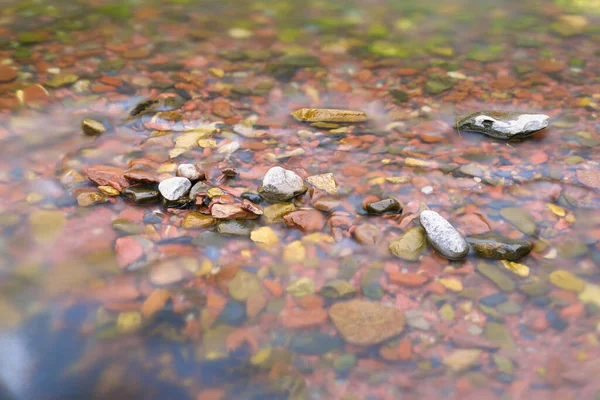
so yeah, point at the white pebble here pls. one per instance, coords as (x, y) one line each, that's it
(427, 190)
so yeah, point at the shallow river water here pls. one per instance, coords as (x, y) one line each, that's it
(226, 295)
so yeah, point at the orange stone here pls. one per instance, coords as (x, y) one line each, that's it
(274, 287)
(310, 301)
(409, 279)
(155, 302)
(7, 73)
(303, 318)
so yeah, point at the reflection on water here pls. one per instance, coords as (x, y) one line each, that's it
(105, 298)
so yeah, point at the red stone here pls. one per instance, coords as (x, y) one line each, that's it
(140, 175)
(305, 220)
(128, 250)
(104, 175)
(7, 73)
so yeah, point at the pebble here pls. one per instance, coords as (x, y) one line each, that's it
(305, 220)
(494, 299)
(90, 198)
(521, 270)
(338, 289)
(504, 125)
(368, 234)
(104, 175)
(328, 115)
(140, 175)
(191, 172)
(415, 319)
(567, 280)
(153, 218)
(265, 238)
(410, 244)
(325, 182)
(141, 194)
(108, 191)
(275, 212)
(244, 285)
(521, 219)
(494, 246)
(443, 236)
(235, 227)
(7, 73)
(193, 220)
(462, 359)
(500, 335)
(383, 206)
(494, 274)
(174, 188)
(92, 127)
(364, 323)
(234, 313)
(199, 187)
(280, 184)
(251, 196)
(231, 211)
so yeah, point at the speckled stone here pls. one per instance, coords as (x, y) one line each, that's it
(280, 184)
(504, 125)
(443, 236)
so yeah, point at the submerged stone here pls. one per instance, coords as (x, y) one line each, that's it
(504, 125)
(383, 206)
(314, 343)
(494, 246)
(410, 244)
(443, 236)
(493, 273)
(235, 227)
(521, 219)
(280, 184)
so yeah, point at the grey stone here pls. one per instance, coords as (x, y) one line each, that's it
(174, 188)
(415, 319)
(504, 125)
(280, 184)
(199, 187)
(492, 245)
(443, 236)
(190, 171)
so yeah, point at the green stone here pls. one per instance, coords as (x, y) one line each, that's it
(344, 362)
(61, 80)
(46, 225)
(509, 307)
(490, 311)
(520, 218)
(410, 244)
(244, 285)
(126, 226)
(338, 289)
(399, 96)
(438, 84)
(503, 363)
(534, 289)
(235, 227)
(383, 206)
(447, 312)
(301, 287)
(572, 249)
(499, 334)
(493, 273)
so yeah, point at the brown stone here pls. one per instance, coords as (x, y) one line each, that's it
(7, 73)
(303, 318)
(231, 211)
(222, 108)
(104, 175)
(365, 323)
(251, 207)
(589, 178)
(305, 220)
(140, 175)
(409, 279)
(368, 234)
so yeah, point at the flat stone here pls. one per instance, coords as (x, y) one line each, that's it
(443, 236)
(494, 299)
(265, 238)
(244, 285)
(368, 234)
(7, 73)
(92, 127)
(325, 182)
(521, 219)
(494, 246)
(462, 359)
(362, 322)
(301, 287)
(567, 280)
(314, 343)
(275, 212)
(493, 273)
(280, 184)
(174, 188)
(305, 220)
(104, 175)
(231, 211)
(338, 289)
(504, 125)
(410, 244)
(386, 205)
(590, 178)
(500, 335)
(235, 227)
(193, 220)
(141, 194)
(328, 115)
(416, 319)
(141, 175)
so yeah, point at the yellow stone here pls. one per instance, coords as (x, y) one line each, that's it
(590, 294)
(558, 210)
(34, 198)
(398, 179)
(214, 192)
(570, 218)
(521, 270)
(89, 199)
(46, 225)
(246, 253)
(324, 182)
(219, 73)
(447, 312)
(466, 307)
(129, 321)
(169, 167)
(592, 339)
(275, 212)
(294, 252)
(190, 139)
(567, 281)
(452, 284)
(108, 191)
(205, 268)
(317, 238)
(377, 181)
(462, 359)
(210, 143)
(265, 238)
(328, 115)
(415, 162)
(301, 287)
(197, 220)
(261, 356)
(70, 177)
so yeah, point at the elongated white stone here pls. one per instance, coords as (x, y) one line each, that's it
(504, 125)
(443, 236)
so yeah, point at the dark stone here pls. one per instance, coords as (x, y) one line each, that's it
(253, 197)
(494, 299)
(383, 206)
(234, 314)
(153, 218)
(141, 194)
(494, 246)
(400, 96)
(314, 343)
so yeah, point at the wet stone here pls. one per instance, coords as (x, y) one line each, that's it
(140, 175)
(193, 220)
(364, 323)
(235, 227)
(92, 127)
(280, 184)
(190, 171)
(253, 197)
(504, 125)
(141, 194)
(314, 343)
(443, 236)
(275, 213)
(173, 189)
(521, 219)
(153, 218)
(493, 273)
(534, 289)
(89, 199)
(325, 182)
(494, 246)
(305, 220)
(410, 244)
(494, 299)
(233, 314)
(384, 206)
(338, 289)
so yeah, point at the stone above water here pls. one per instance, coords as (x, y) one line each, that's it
(504, 125)
(410, 244)
(520, 218)
(175, 188)
(383, 206)
(324, 182)
(443, 236)
(328, 115)
(141, 194)
(92, 127)
(280, 184)
(365, 323)
(275, 212)
(494, 246)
